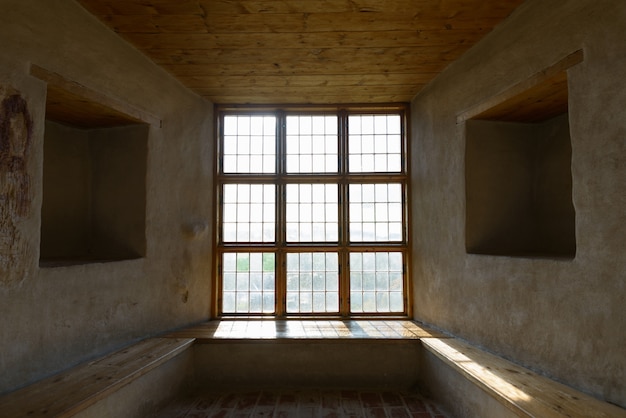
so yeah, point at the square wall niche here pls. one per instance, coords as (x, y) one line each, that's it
(518, 177)
(94, 178)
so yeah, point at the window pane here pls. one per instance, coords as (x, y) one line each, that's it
(376, 282)
(375, 212)
(374, 143)
(369, 191)
(248, 282)
(248, 213)
(312, 282)
(312, 144)
(312, 213)
(249, 144)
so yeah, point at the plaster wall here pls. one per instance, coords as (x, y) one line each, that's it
(53, 318)
(118, 192)
(65, 214)
(563, 318)
(295, 363)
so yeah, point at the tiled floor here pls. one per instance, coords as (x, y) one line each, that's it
(305, 404)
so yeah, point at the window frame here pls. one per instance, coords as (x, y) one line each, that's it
(281, 178)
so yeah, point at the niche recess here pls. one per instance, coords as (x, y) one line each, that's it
(94, 176)
(518, 169)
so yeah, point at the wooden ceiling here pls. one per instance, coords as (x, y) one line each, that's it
(303, 51)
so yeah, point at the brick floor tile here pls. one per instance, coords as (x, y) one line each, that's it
(371, 400)
(241, 413)
(264, 411)
(392, 399)
(331, 400)
(204, 404)
(228, 401)
(374, 412)
(288, 399)
(424, 414)
(398, 412)
(308, 398)
(310, 403)
(351, 406)
(350, 394)
(307, 411)
(415, 404)
(247, 400)
(330, 413)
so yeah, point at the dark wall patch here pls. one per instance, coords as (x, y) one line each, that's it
(16, 131)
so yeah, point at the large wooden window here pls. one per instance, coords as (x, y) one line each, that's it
(312, 212)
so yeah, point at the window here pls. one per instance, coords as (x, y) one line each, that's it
(312, 209)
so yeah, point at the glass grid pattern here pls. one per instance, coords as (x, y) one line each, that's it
(248, 282)
(312, 144)
(300, 196)
(375, 143)
(376, 282)
(312, 212)
(312, 283)
(249, 144)
(375, 212)
(249, 213)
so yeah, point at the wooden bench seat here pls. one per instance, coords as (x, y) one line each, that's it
(74, 390)
(525, 393)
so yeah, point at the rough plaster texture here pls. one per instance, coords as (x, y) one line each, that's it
(304, 363)
(53, 318)
(564, 318)
(65, 208)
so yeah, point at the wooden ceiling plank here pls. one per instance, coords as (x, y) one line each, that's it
(349, 6)
(312, 91)
(347, 22)
(295, 69)
(427, 38)
(156, 24)
(308, 81)
(177, 7)
(303, 6)
(310, 99)
(296, 24)
(303, 57)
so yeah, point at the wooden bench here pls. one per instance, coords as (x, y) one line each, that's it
(525, 393)
(517, 390)
(80, 387)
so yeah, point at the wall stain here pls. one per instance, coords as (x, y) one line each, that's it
(16, 131)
